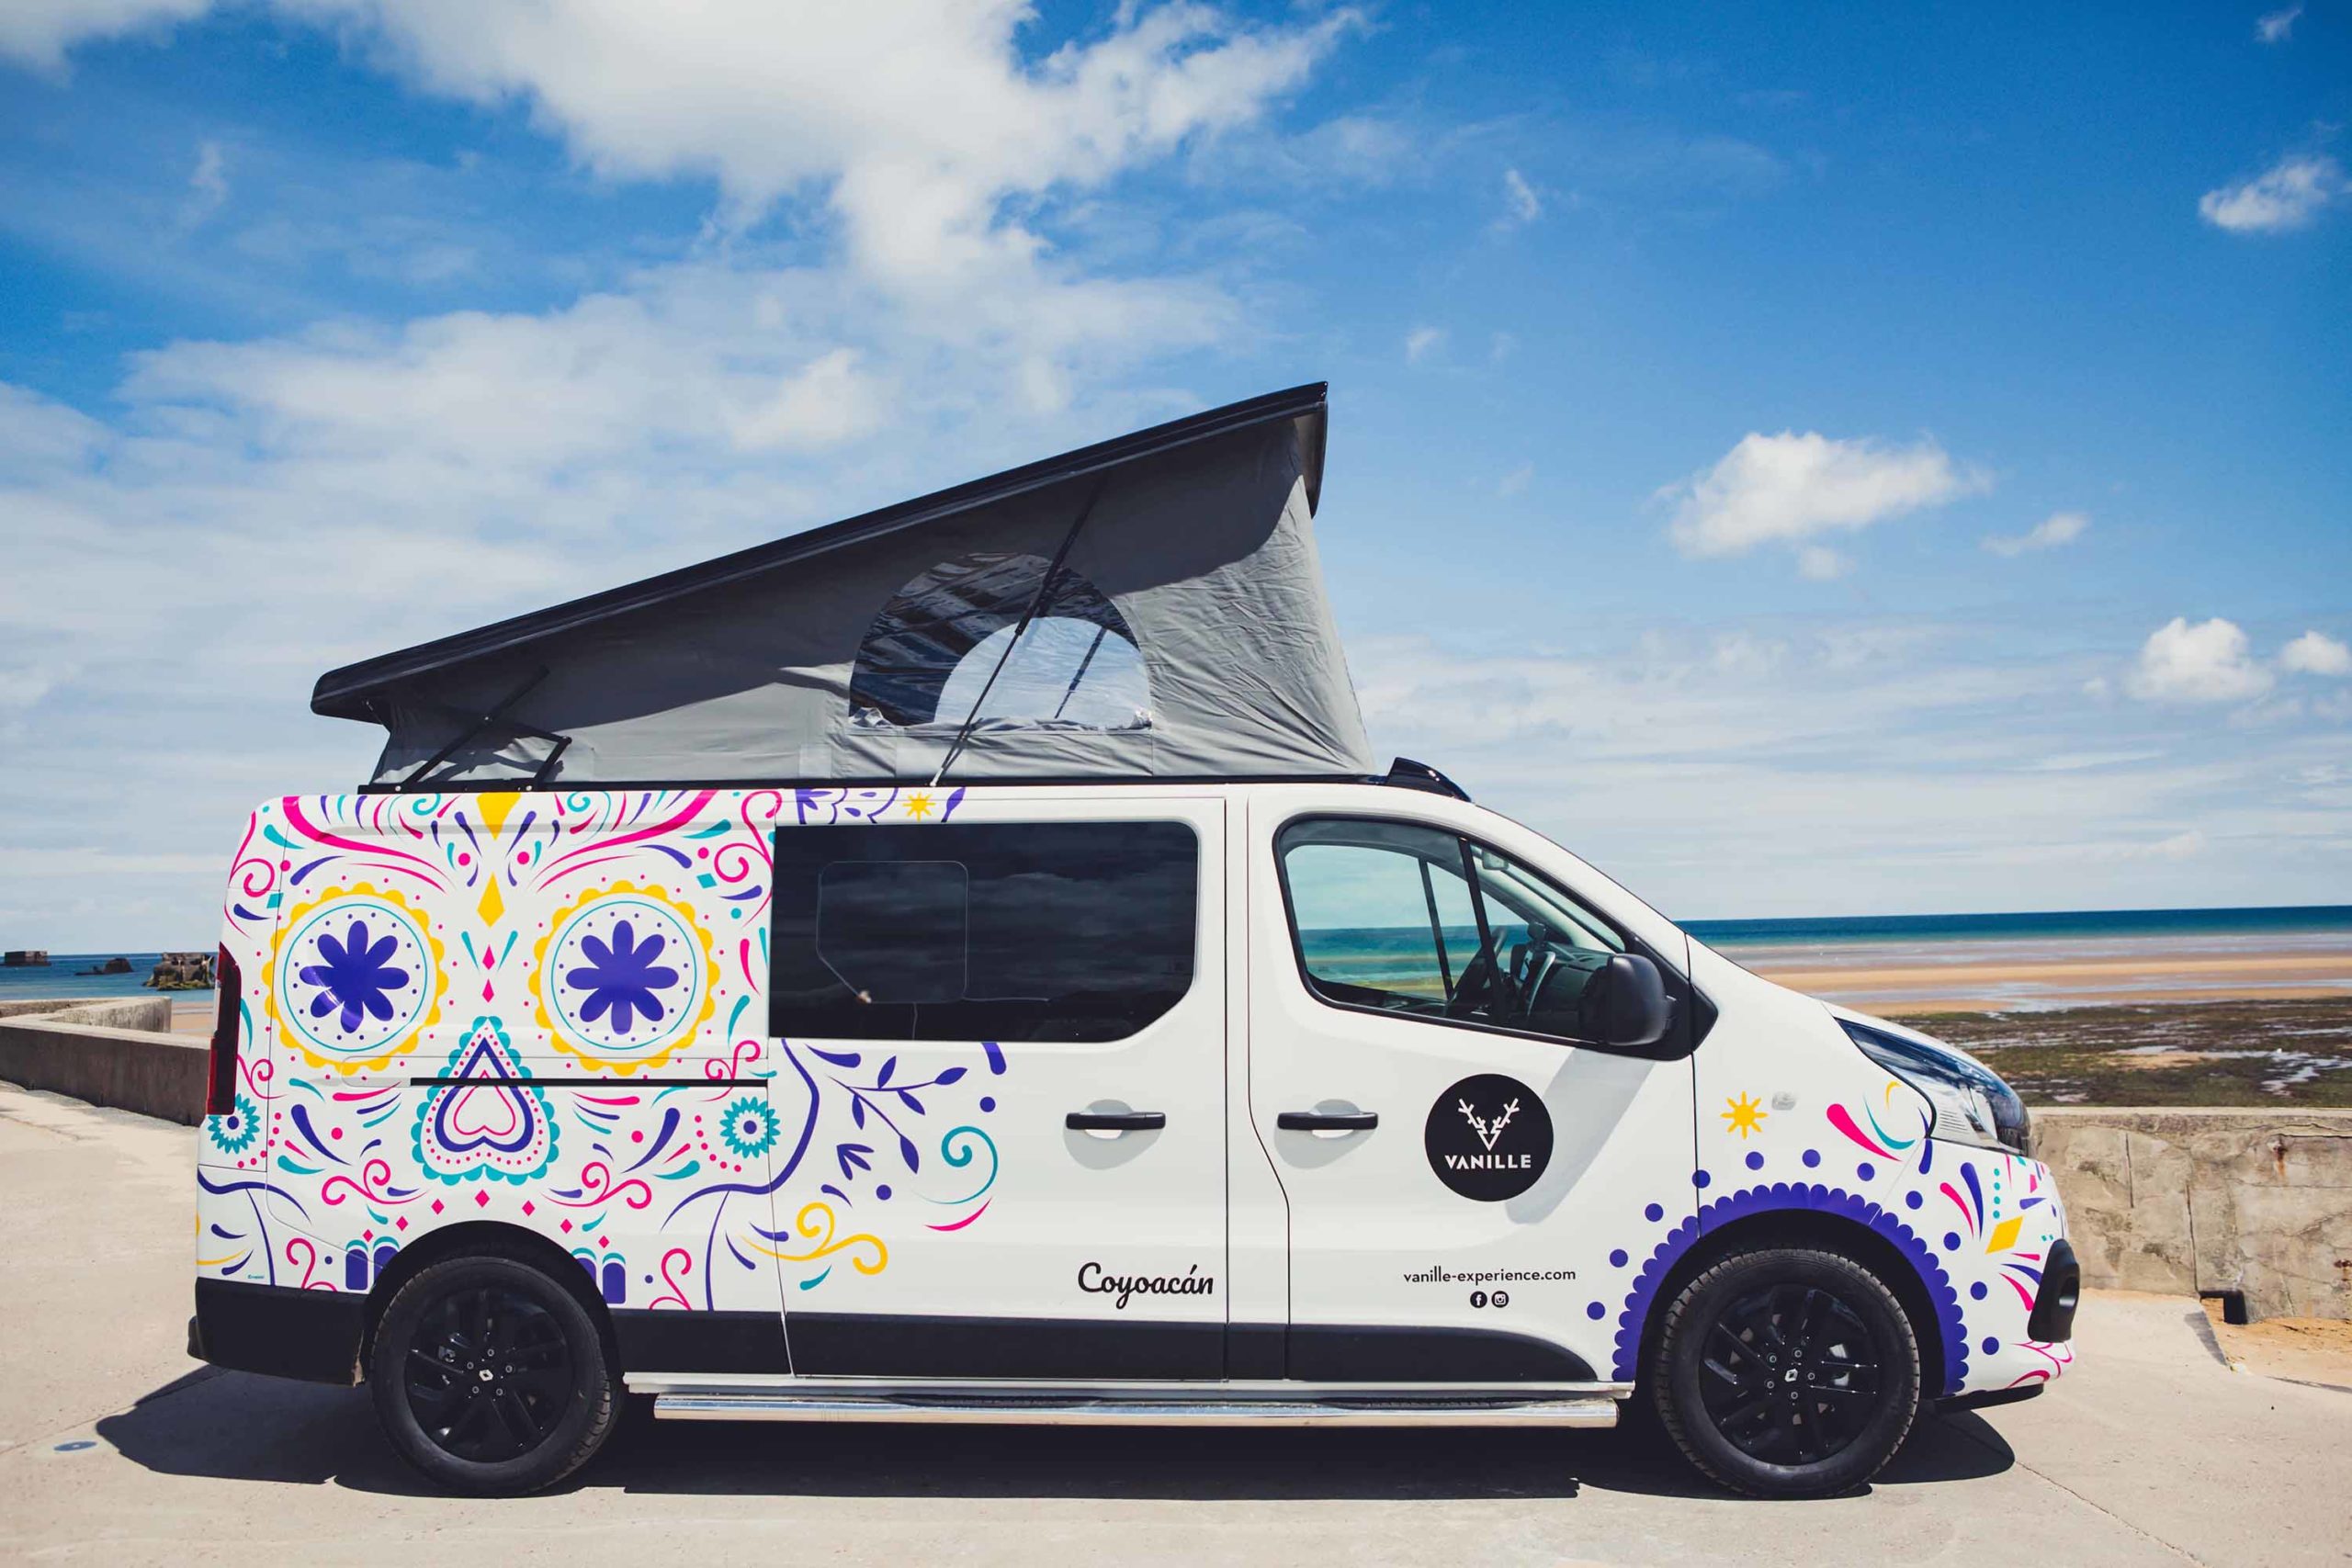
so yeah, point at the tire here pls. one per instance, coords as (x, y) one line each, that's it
(490, 1377)
(1786, 1372)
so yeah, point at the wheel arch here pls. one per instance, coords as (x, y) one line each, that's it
(493, 1239)
(1825, 1231)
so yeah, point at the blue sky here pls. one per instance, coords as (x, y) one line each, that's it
(1805, 461)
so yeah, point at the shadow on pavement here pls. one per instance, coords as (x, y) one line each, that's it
(232, 1426)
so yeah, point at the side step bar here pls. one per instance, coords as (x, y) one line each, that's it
(767, 1405)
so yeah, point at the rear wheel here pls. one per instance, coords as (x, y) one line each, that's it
(491, 1377)
(1787, 1372)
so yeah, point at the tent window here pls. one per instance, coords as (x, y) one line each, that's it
(930, 652)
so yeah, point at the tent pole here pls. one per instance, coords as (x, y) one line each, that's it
(1082, 666)
(1037, 603)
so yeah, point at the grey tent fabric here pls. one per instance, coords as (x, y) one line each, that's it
(824, 657)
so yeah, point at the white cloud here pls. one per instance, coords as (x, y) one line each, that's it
(2207, 662)
(1819, 563)
(1787, 489)
(2058, 528)
(2274, 27)
(1521, 203)
(1516, 482)
(2316, 653)
(920, 121)
(39, 32)
(1422, 341)
(2286, 196)
(208, 184)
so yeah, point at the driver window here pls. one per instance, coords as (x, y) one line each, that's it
(1382, 915)
(1403, 918)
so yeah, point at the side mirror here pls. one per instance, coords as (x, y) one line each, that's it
(1624, 1003)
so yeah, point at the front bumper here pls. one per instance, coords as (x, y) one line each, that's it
(311, 1335)
(2051, 1322)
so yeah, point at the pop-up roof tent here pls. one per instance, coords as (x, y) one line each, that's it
(1149, 607)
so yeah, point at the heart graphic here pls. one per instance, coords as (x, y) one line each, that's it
(484, 1116)
(499, 1115)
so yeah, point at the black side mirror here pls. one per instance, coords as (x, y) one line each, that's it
(1624, 1003)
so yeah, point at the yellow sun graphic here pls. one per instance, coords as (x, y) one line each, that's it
(1745, 1115)
(920, 806)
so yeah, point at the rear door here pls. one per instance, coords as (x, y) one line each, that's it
(1012, 1027)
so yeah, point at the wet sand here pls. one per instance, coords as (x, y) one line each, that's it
(2001, 977)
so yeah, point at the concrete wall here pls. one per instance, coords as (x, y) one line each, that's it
(2256, 1202)
(115, 1052)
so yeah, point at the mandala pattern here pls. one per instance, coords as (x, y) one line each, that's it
(355, 978)
(488, 1122)
(624, 978)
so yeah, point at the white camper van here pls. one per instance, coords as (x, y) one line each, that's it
(964, 964)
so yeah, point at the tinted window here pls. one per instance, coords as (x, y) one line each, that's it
(1054, 930)
(1405, 918)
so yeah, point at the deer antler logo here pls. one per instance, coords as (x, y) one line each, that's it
(1489, 1132)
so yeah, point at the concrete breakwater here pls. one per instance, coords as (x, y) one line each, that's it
(2251, 1203)
(117, 1052)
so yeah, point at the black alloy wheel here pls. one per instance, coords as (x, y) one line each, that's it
(1789, 1374)
(490, 1376)
(1786, 1372)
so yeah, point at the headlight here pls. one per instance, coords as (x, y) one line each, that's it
(1972, 1104)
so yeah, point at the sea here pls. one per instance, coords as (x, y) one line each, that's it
(62, 977)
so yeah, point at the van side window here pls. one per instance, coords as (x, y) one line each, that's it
(1400, 918)
(1008, 931)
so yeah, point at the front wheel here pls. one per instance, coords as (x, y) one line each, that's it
(490, 1377)
(1787, 1372)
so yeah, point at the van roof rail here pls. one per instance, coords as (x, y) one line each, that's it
(1405, 773)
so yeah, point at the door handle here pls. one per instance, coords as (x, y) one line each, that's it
(1328, 1121)
(1115, 1121)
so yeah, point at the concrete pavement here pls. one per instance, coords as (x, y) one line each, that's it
(114, 1448)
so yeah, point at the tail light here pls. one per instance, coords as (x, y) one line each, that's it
(221, 1091)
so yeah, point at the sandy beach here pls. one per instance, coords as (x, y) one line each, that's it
(1999, 977)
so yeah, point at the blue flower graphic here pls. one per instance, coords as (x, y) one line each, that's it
(355, 977)
(750, 1128)
(233, 1131)
(622, 978)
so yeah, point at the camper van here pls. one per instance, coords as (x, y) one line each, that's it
(964, 964)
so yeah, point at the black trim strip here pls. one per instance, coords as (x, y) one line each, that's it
(898, 1345)
(895, 1346)
(1042, 780)
(653, 1341)
(1344, 1353)
(593, 1083)
(279, 1331)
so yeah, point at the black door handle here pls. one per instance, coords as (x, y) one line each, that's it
(1328, 1121)
(1115, 1121)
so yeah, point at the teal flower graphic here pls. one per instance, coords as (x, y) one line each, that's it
(233, 1131)
(749, 1130)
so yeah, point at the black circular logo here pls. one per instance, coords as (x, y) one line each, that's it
(1488, 1137)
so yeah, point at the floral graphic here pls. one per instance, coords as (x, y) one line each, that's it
(622, 976)
(356, 976)
(749, 1130)
(234, 1131)
(626, 976)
